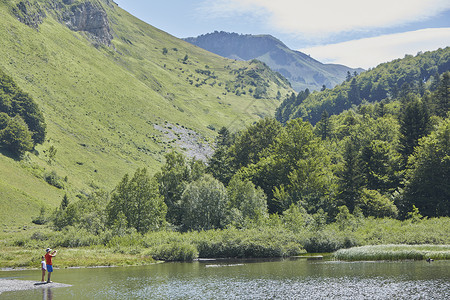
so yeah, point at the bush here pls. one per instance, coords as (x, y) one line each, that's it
(256, 243)
(175, 252)
(53, 179)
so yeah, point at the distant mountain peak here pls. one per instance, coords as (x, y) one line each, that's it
(299, 68)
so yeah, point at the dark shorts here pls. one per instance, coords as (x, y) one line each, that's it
(49, 268)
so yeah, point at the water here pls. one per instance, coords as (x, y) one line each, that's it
(248, 279)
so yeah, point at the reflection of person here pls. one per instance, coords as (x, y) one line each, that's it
(47, 294)
(43, 268)
(48, 260)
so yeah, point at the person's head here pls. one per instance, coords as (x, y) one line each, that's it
(48, 250)
(43, 257)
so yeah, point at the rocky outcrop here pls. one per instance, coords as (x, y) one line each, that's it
(29, 13)
(85, 16)
(89, 18)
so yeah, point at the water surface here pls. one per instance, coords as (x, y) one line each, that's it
(248, 279)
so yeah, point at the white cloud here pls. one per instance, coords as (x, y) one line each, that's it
(369, 52)
(321, 18)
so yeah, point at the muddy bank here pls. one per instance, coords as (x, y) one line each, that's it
(10, 285)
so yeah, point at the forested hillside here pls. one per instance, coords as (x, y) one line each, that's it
(386, 82)
(103, 93)
(377, 161)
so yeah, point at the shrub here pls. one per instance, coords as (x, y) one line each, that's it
(53, 179)
(175, 252)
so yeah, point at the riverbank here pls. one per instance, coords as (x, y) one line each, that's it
(80, 248)
(394, 252)
(22, 258)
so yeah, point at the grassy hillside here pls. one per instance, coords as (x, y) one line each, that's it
(106, 106)
(302, 71)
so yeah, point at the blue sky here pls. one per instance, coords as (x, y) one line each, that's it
(356, 33)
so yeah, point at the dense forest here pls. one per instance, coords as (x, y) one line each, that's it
(386, 82)
(22, 124)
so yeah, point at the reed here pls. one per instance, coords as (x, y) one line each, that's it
(394, 252)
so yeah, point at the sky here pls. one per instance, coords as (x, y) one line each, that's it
(355, 33)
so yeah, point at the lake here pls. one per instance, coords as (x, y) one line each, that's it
(248, 279)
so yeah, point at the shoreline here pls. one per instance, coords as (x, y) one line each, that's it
(15, 285)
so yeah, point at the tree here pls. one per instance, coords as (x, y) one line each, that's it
(414, 124)
(350, 177)
(349, 76)
(204, 204)
(139, 200)
(442, 96)
(294, 162)
(221, 164)
(246, 203)
(372, 203)
(323, 127)
(379, 166)
(175, 174)
(354, 96)
(251, 142)
(16, 103)
(14, 134)
(64, 202)
(428, 174)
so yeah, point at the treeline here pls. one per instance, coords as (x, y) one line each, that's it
(22, 124)
(382, 160)
(387, 81)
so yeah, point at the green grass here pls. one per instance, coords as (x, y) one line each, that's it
(394, 252)
(16, 257)
(101, 104)
(23, 192)
(81, 248)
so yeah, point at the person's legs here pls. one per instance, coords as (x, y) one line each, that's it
(50, 271)
(43, 275)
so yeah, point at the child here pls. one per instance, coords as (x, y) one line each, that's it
(43, 268)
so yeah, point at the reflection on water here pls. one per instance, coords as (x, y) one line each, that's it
(47, 294)
(250, 279)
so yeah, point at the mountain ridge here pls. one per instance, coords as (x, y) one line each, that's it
(299, 68)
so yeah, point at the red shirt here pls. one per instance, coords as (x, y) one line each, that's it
(48, 259)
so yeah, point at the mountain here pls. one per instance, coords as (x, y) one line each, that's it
(116, 95)
(387, 81)
(300, 69)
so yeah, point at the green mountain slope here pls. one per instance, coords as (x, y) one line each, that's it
(116, 94)
(385, 82)
(302, 71)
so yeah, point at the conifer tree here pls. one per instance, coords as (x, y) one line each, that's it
(414, 124)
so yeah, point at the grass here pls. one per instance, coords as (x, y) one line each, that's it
(80, 248)
(17, 257)
(101, 104)
(371, 239)
(394, 252)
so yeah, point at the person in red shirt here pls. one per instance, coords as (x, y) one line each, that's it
(48, 260)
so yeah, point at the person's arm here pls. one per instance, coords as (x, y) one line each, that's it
(54, 253)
